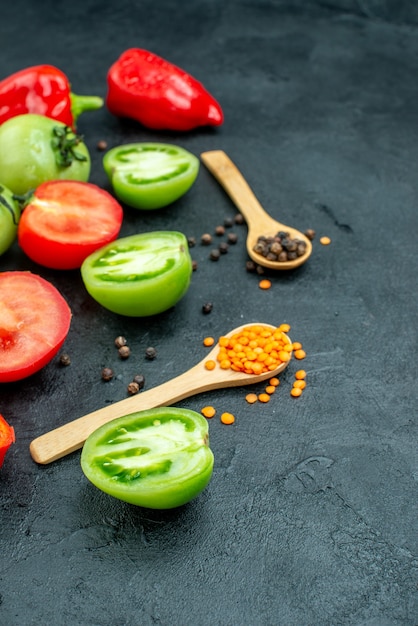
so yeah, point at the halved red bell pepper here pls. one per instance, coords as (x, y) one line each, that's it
(45, 90)
(147, 88)
(7, 437)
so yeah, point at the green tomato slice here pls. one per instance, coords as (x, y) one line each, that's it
(150, 175)
(140, 275)
(158, 459)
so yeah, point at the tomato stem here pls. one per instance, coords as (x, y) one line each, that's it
(64, 142)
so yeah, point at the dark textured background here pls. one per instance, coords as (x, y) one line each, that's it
(310, 518)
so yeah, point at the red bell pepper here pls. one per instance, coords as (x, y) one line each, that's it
(147, 88)
(7, 437)
(45, 90)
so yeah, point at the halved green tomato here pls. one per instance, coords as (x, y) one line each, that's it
(158, 459)
(9, 218)
(150, 175)
(140, 275)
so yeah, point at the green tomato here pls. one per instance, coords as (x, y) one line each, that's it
(9, 218)
(140, 275)
(150, 175)
(158, 459)
(35, 149)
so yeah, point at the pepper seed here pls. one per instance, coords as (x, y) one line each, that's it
(120, 341)
(107, 374)
(124, 352)
(207, 307)
(150, 353)
(133, 388)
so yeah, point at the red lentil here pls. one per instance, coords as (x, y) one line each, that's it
(251, 398)
(296, 392)
(325, 241)
(265, 283)
(264, 397)
(208, 341)
(270, 389)
(210, 365)
(300, 374)
(208, 411)
(227, 418)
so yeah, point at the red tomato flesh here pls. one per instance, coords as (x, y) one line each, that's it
(7, 437)
(34, 322)
(65, 221)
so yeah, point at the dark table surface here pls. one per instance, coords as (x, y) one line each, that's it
(310, 517)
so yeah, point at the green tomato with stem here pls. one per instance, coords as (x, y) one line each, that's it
(35, 149)
(9, 218)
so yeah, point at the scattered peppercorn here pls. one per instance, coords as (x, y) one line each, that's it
(260, 270)
(102, 144)
(228, 222)
(250, 266)
(133, 388)
(107, 374)
(232, 238)
(194, 266)
(239, 218)
(191, 241)
(120, 341)
(65, 359)
(310, 234)
(150, 353)
(223, 247)
(206, 239)
(124, 352)
(214, 255)
(139, 379)
(219, 231)
(281, 247)
(207, 307)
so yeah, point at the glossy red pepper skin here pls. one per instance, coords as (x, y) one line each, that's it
(147, 88)
(7, 437)
(44, 90)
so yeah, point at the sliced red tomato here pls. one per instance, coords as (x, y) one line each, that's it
(65, 221)
(7, 437)
(34, 322)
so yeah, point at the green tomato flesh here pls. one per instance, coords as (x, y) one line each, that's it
(158, 459)
(150, 175)
(9, 219)
(140, 275)
(28, 156)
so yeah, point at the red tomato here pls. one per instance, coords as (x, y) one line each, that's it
(65, 221)
(34, 322)
(7, 437)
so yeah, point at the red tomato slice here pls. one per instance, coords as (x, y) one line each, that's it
(67, 220)
(34, 322)
(7, 437)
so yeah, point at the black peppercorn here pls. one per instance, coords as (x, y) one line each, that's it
(120, 341)
(191, 241)
(310, 234)
(206, 239)
(102, 144)
(107, 374)
(223, 247)
(65, 359)
(214, 255)
(232, 238)
(219, 231)
(194, 265)
(250, 266)
(124, 352)
(207, 307)
(139, 380)
(239, 219)
(228, 222)
(133, 388)
(150, 353)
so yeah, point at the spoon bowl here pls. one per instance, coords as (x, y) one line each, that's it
(71, 436)
(259, 222)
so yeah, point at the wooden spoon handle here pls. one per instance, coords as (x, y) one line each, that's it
(71, 436)
(231, 179)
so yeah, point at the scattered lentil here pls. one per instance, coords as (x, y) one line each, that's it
(297, 345)
(150, 353)
(299, 354)
(208, 411)
(107, 374)
(264, 284)
(274, 381)
(65, 359)
(300, 374)
(299, 384)
(227, 418)
(270, 389)
(206, 239)
(133, 388)
(120, 341)
(264, 397)
(296, 392)
(251, 398)
(208, 341)
(207, 307)
(124, 352)
(139, 379)
(325, 241)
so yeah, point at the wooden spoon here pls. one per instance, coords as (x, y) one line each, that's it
(71, 436)
(259, 222)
